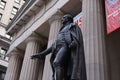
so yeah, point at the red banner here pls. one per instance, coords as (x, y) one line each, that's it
(78, 20)
(112, 15)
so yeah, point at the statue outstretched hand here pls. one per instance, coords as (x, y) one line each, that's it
(39, 56)
(42, 54)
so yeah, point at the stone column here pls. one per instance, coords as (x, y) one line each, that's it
(55, 25)
(94, 40)
(0, 48)
(30, 67)
(15, 64)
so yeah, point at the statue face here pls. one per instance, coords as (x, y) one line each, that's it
(64, 19)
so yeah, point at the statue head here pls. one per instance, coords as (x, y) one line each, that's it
(67, 19)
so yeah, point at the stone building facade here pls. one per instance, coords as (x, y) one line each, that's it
(37, 25)
(8, 9)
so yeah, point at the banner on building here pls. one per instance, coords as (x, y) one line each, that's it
(78, 19)
(112, 15)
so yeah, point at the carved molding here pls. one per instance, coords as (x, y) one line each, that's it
(36, 37)
(17, 51)
(57, 16)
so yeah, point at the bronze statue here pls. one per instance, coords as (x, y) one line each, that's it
(67, 60)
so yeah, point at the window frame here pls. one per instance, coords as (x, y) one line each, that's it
(1, 16)
(23, 1)
(14, 12)
(3, 53)
(1, 5)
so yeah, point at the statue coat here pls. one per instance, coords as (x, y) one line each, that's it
(76, 65)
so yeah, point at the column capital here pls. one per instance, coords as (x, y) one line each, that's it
(17, 51)
(36, 37)
(41, 2)
(57, 16)
(15, 63)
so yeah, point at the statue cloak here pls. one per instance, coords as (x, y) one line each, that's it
(76, 65)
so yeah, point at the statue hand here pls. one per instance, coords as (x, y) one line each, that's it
(34, 56)
(39, 56)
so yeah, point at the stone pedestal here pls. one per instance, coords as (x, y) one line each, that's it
(15, 64)
(55, 25)
(94, 41)
(30, 67)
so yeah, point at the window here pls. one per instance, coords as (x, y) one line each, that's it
(23, 1)
(8, 36)
(14, 10)
(17, 1)
(0, 16)
(3, 51)
(2, 75)
(3, 54)
(2, 4)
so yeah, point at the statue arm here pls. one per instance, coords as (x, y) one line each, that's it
(42, 54)
(46, 52)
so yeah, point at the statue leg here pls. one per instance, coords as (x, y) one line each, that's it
(51, 62)
(59, 63)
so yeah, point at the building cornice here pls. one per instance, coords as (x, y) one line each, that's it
(57, 16)
(22, 14)
(37, 37)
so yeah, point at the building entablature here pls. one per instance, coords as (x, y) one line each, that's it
(26, 11)
(38, 8)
